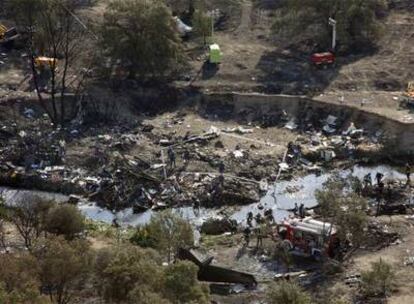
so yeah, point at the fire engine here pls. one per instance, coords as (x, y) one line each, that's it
(323, 58)
(308, 237)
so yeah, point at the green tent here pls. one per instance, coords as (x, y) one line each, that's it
(215, 53)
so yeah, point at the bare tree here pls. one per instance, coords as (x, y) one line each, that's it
(28, 216)
(54, 31)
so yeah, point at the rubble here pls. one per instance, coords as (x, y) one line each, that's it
(378, 236)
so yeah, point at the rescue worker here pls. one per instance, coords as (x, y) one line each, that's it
(171, 157)
(250, 219)
(258, 219)
(186, 157)
(379, 177)
(221, 168)
(302, 210)
(269, 216)
(296, 209)
(221, 180)
(246, 234)
(408, 172)
(196, 207)
(368, 180)
(381, 188)
(115, 223)
(259, 234)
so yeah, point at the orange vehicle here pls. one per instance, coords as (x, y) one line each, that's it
(308, 237)
(42, 62)
(408, 96)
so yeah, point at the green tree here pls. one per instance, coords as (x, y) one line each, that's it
(18, 279)
(343, 207)
(65, 220)
(142, 36)
(358, 22)
(379, 281)
(64, 267)
(146, 295)
(166, 232)
(120, 270)
(202, 25)
(182, 286)
(286, 292)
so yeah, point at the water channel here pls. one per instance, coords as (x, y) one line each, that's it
(279, 198)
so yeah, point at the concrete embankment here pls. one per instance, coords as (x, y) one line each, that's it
(397, 136)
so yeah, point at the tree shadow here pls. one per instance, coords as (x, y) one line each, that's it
(288, 72)
(209, 70)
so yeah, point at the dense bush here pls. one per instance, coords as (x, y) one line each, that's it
(358, 22)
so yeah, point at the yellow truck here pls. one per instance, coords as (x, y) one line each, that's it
(408, 98)
(3, 31)
(410, 90)
(43, 62)
(8, 35)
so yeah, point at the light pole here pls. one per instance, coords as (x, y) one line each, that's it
(332, 23)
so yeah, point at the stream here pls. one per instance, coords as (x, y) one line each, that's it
(281, 196)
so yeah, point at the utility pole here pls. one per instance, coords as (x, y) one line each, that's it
(332, 23)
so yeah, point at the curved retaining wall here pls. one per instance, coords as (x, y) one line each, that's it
(398, 136)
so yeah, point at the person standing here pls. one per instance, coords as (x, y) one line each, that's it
(250, 219)
(302, 210)
(296, 209)
(221, 168)
(379, 177)
(408, 172)
(259, 233)
(171, 157)
(246, 233)
(368, 180)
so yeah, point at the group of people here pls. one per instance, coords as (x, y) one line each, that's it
(299, 211)
(262, 222)
(379, 178)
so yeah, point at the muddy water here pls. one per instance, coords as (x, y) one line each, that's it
(279, 198)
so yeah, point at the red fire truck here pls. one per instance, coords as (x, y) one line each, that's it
(325, 58)
(309, 237)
